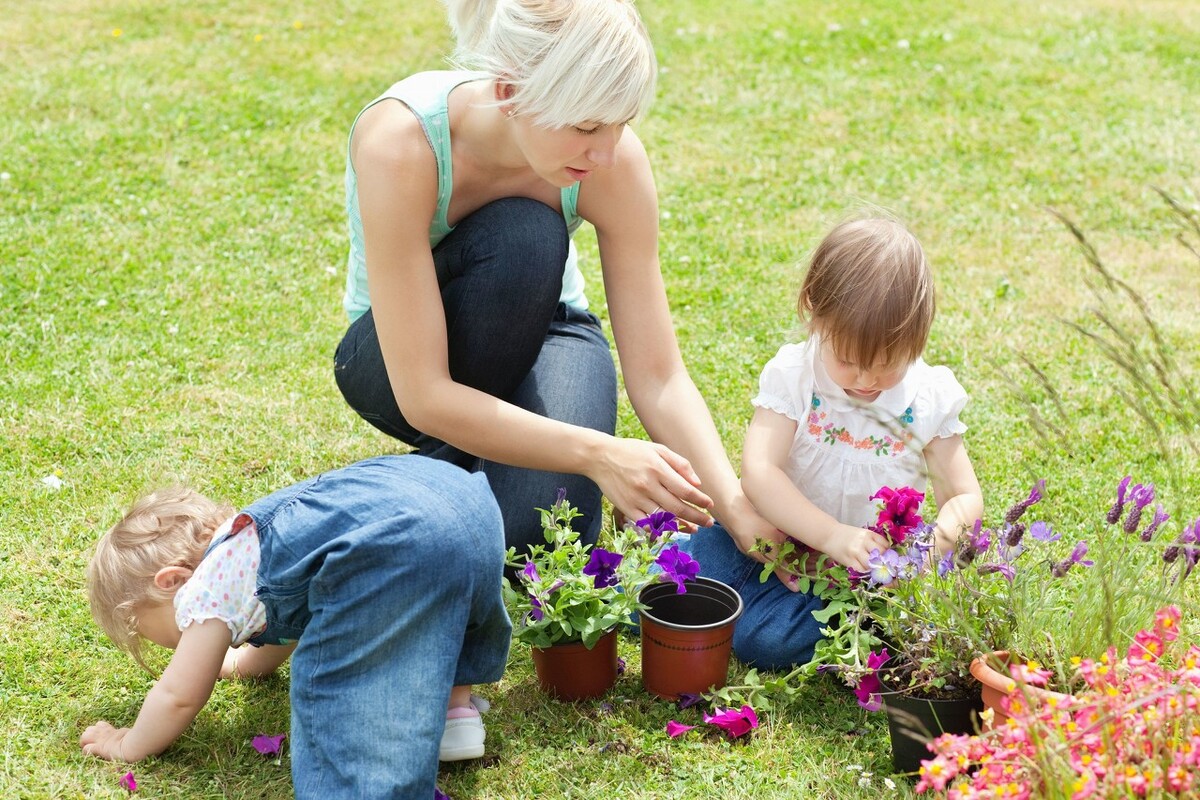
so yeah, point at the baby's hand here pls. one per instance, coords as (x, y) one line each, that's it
(103, 741)
(851, 547)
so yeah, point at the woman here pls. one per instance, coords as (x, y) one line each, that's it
(470, 334)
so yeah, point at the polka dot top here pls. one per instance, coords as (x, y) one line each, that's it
(223, 586)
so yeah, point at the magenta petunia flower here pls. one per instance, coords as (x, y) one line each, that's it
(677, 729)
(677, 566)
(128, 782)
(602, 566)
(869, 691)
(268, 745)
(898, 513)
(735, 722)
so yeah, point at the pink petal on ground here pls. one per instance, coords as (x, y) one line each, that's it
(128, 782)
(268, 745)
(677, 729)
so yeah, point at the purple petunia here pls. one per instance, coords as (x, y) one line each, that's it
(268, 745)
(658, 523)
(602, 566)
(885, 567)
(530, 572)
(677, 566)
(688, 699)
(438, 794)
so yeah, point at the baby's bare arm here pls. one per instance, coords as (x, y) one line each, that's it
(254, 662)
(172, 703)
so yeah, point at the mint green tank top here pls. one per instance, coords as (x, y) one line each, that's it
(426, 93)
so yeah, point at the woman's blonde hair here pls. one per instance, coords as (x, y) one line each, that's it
(569, 61)
(168, 527)
(869, 292)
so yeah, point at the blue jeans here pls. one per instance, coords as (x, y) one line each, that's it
(777, 630)
(500, 272)
(389, 572)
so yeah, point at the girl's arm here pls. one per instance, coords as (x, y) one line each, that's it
(955, 487)
(173, 702)
(254, 662)
(622, 204)
(768, 441)
(397, 180)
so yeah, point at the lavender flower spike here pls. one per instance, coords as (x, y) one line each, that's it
(1018, 509)
(1077, 557)
(1160, 516)
(1114, 513)
(1140, 496)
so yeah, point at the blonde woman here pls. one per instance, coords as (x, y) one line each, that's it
(471, 337)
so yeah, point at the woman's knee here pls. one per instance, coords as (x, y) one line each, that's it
(521, 243)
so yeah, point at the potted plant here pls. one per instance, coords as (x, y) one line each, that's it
(1130, 731)
(1135, 565)
(904, 634)
(572, 597)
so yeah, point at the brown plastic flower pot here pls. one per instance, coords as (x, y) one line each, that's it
(992, 671)
(573, 672)
(687, 638)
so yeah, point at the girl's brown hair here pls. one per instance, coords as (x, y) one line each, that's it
(869, 293)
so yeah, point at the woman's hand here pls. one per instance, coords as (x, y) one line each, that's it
(641, 477)
(103, 741)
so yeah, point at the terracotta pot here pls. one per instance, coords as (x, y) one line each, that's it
(573, 672)
(913, 722)
(992, 671)
(687, 638)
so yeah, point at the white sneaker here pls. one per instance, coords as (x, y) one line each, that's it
(463, 739)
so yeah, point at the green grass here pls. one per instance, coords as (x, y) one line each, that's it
(171, 252)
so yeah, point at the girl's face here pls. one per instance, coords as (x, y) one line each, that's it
(860, 382)
(562, 156)
(156, 623)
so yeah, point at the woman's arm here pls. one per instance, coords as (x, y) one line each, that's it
(955, 487)
(254, 662)
(397, 178)
(764, 455)
(622, 204)
(173, 702)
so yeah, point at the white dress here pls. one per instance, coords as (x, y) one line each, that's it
(844, 449)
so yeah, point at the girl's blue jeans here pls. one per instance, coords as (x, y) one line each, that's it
(388, 572)
(776, 630)
(500, 271)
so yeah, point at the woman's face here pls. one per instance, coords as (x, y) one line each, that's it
(563, 156)
(860, 382)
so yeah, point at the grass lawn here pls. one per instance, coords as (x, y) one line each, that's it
(172, 246)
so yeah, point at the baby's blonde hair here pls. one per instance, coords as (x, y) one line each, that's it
(570, 61)
(168, 527)
(869, 292)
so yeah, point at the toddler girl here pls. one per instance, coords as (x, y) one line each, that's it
(852, 409)
(382, 577)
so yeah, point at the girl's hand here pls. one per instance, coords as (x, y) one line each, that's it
(641, 477)
(851, 546)
(103, 741)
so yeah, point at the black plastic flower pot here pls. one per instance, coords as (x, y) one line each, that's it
(687, 638)
(913, 722)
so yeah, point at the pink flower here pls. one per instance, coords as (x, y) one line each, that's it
(268, 745)
(1030, 674)
(898, 514)
(869, 690)
(1166, 623)
(127, 782)
(677, 729)
(734, 722)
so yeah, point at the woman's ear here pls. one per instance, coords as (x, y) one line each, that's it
(171, 578)
(503, 92)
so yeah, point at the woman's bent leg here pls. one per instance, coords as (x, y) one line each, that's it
(403, 607)
(500, 272)
(575, 381)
